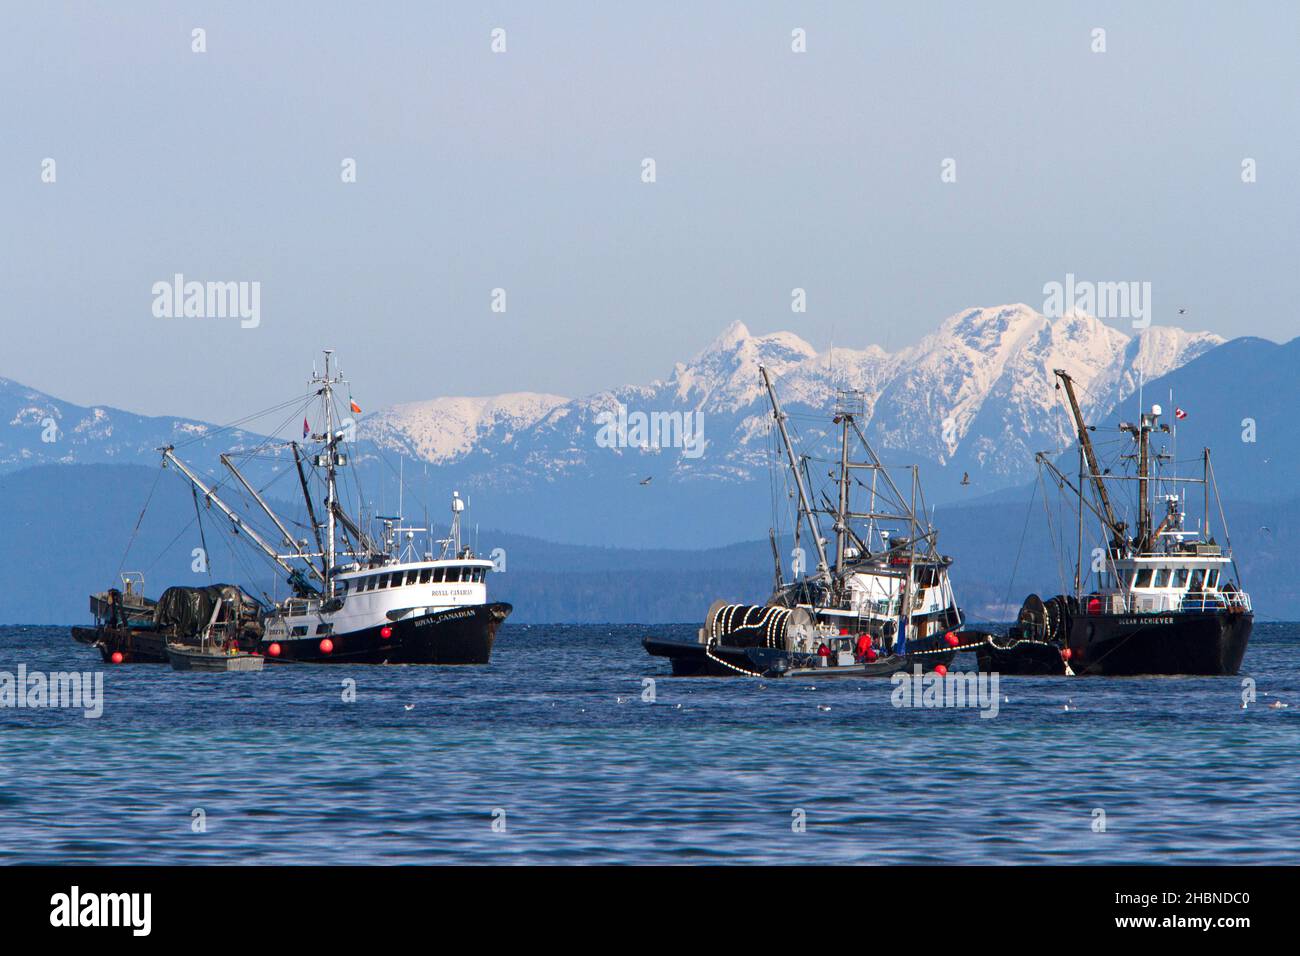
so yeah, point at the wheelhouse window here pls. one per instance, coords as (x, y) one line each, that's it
(324, 628)
(1212, 579)
(425, 575)
(411, 575)
(1198, 579)
(1143, 578)
(1180, 578)
(299, 631)
(439, 575)
(1162, 578)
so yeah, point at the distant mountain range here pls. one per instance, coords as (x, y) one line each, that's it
(976, 397)
(74, 527)
(661, 551)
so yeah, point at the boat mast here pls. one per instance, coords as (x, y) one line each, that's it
(823, 570)
(331, 461)
(1205, 481)
(1142, 432)
(311, 509)
(841, 519)
(1078, 558)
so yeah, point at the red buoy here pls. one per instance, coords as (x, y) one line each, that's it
(117, 657)
(952, 639)
(274, 650)
(824, 651)
(1066, 653)
(385, 632)
(940, 670)
(326, 646)
(1094, 605)
(864, 644)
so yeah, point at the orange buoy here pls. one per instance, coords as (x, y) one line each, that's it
(940, 670)
(952, 639)
(1066, 653)
(274, 650)
(117, 657)
(385, 632)
(326, 646)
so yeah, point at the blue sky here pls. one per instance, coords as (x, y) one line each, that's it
(522, 171)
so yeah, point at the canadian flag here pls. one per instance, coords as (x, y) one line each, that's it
(1179, 414)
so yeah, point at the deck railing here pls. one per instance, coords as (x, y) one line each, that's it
(1128, 602)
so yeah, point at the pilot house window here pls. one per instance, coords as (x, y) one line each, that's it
(1143, 578)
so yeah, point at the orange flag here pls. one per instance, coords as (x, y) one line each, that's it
(356, 409)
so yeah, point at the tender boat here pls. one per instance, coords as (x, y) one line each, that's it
(130, 628)
(186, 657)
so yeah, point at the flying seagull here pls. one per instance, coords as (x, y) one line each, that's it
(646, 481)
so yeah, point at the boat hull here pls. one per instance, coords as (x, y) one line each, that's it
(193, 659)
(693, 659)
(1199, 644)
(462, 635)
(1210, 644)
(136, 646)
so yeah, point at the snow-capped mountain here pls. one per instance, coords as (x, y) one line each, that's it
(977, 395)
(42, 430)
(443, 429)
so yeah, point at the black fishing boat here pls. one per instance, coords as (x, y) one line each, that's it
(1167, 599)
(882, 604)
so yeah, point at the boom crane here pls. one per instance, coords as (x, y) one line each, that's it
(1116, 526)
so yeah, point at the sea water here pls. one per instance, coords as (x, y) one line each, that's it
(574, 745)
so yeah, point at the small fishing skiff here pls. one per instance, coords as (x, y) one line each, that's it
(185, 657)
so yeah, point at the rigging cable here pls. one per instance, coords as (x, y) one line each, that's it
(131, 540)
